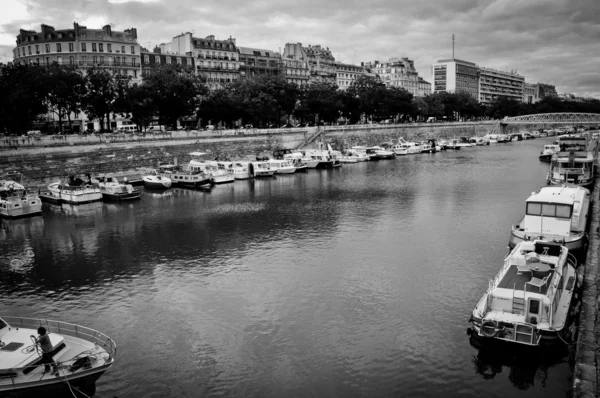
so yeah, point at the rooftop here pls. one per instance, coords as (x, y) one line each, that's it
(558, 194)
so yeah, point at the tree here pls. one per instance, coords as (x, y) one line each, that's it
(174, 92)
(319, 102)
(140, 105)
(23, 95)
(100, 92)
(66, 87)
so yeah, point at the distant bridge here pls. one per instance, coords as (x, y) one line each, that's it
(554, 118)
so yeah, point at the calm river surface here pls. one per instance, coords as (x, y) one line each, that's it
(336, 283)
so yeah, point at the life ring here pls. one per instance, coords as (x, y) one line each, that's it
(11, 186)
(486, 325)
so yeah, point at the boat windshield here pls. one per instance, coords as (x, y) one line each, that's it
(549, 210)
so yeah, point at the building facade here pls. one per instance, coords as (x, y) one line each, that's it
(295, 64)
(216, 60)
(257, 62)
(321, 64)
(423, 88)
(151, 60)
(401, 73)
(543, 90)
(348, 73)
(117, 51)
(529, 96)
(454, 76)
(494, 83)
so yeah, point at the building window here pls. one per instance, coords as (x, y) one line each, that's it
(133, 49)
(132, 61)
(29, 49)
(100, 47)
(169, 60)
(58, 48)
(146, 59)
(101, 60)
(47, 60)
(94, 47)
(84, 59)
(95, 59)
(122, 49)
(37, 49)
(47, 48)
(157, 59)
(18, 52)
(178, 61)
(123, 59)
(83, 47)
(109, 48)
(72, 60)
(71, 47)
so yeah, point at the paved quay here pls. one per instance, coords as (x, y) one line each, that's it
(586, 371)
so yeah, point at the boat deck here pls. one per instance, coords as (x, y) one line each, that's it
(515, 280)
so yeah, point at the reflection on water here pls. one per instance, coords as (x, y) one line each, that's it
(350, 282)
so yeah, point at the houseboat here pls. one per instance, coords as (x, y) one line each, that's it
(185, 177)
(241, 170)
(530, 300)
(261, 169)
(282, 166)
(16, 202)
(548, 151)
(571, 166)
(113, 190)
(560, 214)
(73, 191)
(81, 355)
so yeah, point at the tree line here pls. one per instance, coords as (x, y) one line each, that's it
(168, 93)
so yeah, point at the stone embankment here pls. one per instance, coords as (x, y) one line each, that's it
(587, 371)
(47, 158)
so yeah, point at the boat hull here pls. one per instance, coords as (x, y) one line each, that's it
(545, 157)
(25, 208)
(224, 179)
(156, 185)
(122, 197)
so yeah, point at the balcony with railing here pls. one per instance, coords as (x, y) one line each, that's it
(217, 68)
(109, 64)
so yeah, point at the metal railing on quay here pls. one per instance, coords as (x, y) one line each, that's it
(69, 329)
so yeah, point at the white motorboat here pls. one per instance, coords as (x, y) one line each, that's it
(360, 152)
(16, 202)
(453, 144)
(240, 170)
(81, 354)
(348, 159)
(113, 190)
(73, 191)
(491, 138)
(317, 159)
(153, 180)
(410, 148)
(530, 300)
(376, 153)
(560, 214)
(261, 169)
(186, 177)
(297, 160)
(282, 166)
(548, 151)
(220, 172)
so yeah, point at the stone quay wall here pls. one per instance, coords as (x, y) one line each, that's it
(41, 160)
(587, 372)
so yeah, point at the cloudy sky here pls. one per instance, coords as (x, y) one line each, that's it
(549, 41)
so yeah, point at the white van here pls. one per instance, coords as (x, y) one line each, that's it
(127, 128)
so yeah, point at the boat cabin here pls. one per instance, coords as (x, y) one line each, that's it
(555, 212)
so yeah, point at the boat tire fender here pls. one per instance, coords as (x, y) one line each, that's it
(485, 328)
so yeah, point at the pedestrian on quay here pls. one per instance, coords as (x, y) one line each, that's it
(46, 346)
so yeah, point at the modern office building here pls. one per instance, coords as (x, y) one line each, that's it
(455, 75)
(347, 73)
(216, 60)
(495, 83)
(116, 51)
(295, 62)
(258, 62)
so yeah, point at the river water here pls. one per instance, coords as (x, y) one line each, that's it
(335, 283)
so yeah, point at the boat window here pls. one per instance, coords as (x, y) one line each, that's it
(548, 210)
(534, 209)
(563, 211)
(534, 306)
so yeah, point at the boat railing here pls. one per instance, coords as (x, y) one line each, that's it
(69, 329)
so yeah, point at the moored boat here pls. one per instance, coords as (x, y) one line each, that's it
(16, 201)
(573, 163)
(560, 214)
(261, 169)
(530, 300)
(548, 151)
(240, 170)
(113, 190)
(282, 166)
(153, 180)
(186, 177)
(81, 356)
(73, 191)
(378, 153)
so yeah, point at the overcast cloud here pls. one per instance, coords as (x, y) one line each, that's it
(548, 41)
